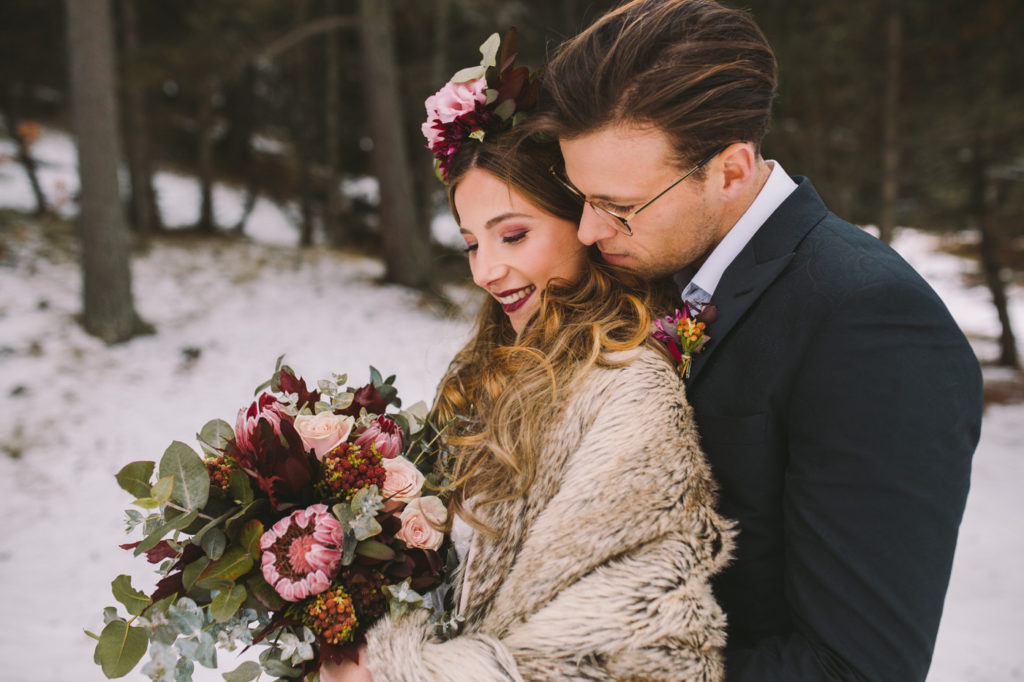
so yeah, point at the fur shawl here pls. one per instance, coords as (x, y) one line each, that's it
(601, 570)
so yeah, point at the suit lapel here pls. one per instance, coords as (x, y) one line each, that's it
(760, 262)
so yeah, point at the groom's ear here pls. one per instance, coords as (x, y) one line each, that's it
(738, 170)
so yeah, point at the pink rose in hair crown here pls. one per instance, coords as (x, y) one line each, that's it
(266, 407)
(450, 102)
(402, 480)
(302, 552)
(323, 432)
(384, 434)
(420, 520)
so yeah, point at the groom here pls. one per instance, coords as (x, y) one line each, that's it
(838, 402)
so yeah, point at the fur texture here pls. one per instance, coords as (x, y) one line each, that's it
(601, 570)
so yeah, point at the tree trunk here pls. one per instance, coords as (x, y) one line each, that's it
(890, 117)
(438, 77)
(109, 312)
(9, 110)
(983, 201)
(205, 156)
(145, 214)
(333, 228)
(406, 250)
(305, 137)
(241, 111)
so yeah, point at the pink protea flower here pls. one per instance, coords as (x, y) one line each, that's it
(302, 552)
(383, 433)
(266, 407)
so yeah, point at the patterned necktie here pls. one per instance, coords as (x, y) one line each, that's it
(696, 298)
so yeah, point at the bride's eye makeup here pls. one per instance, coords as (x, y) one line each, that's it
(514, 237)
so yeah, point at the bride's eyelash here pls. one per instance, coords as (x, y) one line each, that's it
(469, 248)
(513, 238)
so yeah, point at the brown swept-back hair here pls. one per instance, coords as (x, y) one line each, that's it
(504, 389)
(703, 74)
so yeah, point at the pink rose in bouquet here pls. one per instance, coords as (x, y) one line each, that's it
(402, 480)
(421, 519)
(323, 432)
(385, 435)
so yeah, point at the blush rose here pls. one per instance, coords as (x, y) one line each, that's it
(420, 520)
(323, 432)
(450, 102)
(402, 480)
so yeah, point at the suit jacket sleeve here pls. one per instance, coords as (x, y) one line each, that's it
(883, 420)
(621, 555)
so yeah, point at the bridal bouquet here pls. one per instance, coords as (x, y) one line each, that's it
(295, 530)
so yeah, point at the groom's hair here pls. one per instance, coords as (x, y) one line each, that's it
(703, 74)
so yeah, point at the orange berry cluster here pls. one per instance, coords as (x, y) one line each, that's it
(690, 330)
(368, 597)
(349, 468)
(219, 470)
(330, 615)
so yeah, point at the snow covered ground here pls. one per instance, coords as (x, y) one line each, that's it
(74, 411)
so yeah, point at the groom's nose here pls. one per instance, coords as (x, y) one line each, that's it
(592, 228)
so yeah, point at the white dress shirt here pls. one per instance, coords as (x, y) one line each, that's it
(702, 286)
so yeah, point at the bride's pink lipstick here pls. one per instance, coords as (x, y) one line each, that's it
(515, 305)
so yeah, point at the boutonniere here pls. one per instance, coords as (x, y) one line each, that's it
(683, 334)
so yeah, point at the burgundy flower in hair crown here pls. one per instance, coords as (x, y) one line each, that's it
(479, 100)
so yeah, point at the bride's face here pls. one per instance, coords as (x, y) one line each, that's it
(514, 248)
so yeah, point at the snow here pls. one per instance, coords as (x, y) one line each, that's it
(75, 411)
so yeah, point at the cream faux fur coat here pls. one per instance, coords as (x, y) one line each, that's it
(601, 570)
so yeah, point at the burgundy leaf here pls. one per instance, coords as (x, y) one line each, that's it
(291, 384)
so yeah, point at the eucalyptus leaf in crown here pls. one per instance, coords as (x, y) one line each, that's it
(295, 530)
(480, 100)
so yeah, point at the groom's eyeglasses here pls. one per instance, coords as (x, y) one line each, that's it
(616, 217)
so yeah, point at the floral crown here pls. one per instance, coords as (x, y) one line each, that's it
(480, 100)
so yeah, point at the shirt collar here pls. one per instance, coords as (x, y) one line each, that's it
(778, 186)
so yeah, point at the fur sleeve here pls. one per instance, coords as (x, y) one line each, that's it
(402, 651)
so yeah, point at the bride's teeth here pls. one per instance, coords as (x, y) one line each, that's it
(522, 293)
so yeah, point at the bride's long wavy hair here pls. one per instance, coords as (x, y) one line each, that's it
(503, 389)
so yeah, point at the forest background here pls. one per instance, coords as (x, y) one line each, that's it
(902, 112)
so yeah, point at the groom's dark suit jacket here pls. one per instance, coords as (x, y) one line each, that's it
(839, 405)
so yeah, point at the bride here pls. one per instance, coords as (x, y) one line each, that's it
(576, 459)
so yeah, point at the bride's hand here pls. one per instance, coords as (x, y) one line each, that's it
(347, 671)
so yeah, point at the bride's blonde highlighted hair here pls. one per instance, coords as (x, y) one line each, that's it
(503, 389)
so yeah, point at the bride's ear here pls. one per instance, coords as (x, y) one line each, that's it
(738, 163)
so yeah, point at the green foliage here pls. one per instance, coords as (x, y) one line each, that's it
(227, 602)
(135, 602)
(120, 648)
(134, 478)
(246, 672)
(402, 598)
(214, 436)
(191, 480)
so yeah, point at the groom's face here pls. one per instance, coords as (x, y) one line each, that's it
(622, 167)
